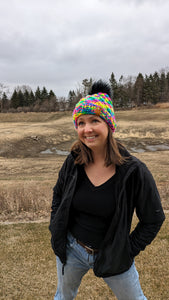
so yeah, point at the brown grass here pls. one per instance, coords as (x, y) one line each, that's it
(27, 177)
(27, 184)
(28, 269)
(26, 201)
(162, 105)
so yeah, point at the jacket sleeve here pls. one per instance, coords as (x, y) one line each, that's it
(58, 190)
(148, 209)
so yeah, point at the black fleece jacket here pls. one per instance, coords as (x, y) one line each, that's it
(136, 191)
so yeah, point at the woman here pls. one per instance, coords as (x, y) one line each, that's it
(99, 186)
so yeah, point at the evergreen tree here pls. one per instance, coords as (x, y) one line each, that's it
(14, 100)
(44, 94)
(38, 94)
(167, 79)
(167, 85)
(4, 102)
(51, 94)
(147, 93)
(71, 99)
(163, 87)
(138, 89)
(128, 88)
(156, 88)
(21, 99)
(151, 88)
(114, 88)
(31, 98)
(26, 98)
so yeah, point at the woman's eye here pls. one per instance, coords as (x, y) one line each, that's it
(95, 120)
(80, 123)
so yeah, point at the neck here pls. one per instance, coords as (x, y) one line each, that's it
(99, 157)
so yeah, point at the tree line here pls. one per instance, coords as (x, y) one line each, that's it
(127, 92)
(142, 90)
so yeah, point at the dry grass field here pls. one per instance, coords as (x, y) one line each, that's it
(28, 270)
(29, 159)
(31, 153)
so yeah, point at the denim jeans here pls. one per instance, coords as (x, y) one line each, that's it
(125, 286)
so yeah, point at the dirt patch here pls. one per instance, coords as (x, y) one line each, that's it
(22, 140)
(32, 146)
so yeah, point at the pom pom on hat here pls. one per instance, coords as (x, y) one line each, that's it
(98, 104)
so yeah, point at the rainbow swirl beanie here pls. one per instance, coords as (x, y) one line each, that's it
(97, 104)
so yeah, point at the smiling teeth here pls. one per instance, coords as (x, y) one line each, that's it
(90, 137)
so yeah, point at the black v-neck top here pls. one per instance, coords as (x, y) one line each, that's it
(92, 209)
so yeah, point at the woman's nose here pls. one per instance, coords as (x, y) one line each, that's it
(88, 127)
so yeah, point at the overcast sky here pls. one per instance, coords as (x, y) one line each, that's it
(58, 43)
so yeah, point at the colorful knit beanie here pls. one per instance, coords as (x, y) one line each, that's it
(97, 104)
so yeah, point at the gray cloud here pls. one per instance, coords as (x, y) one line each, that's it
(59, 43)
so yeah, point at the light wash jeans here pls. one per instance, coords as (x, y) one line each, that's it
(125, 286)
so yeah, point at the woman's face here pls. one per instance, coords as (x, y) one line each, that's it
(92, 131)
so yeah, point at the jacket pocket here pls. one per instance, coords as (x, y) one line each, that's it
(113, 259)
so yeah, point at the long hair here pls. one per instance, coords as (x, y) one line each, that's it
(83, 154)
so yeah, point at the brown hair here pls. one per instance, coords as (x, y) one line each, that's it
(113, 156)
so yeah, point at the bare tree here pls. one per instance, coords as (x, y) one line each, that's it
(87, 85)
(3, 89)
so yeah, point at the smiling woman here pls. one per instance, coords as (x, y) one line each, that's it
(92, 131)
(110, 149)
(99, 186)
